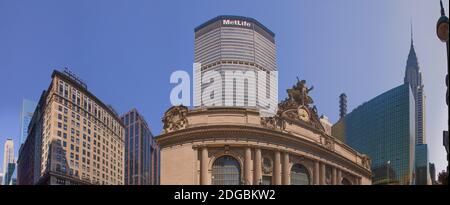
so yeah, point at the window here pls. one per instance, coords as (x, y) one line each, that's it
(345, 181)
(226, 171)
(266, 180)
(299, 175)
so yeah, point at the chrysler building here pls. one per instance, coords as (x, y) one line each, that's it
(413, 76)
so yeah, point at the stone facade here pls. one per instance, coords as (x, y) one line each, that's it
(265, 149)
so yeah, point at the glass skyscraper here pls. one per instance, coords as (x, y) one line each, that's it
(141, 151)
(26, 114)
(384, 129)
(422, 166)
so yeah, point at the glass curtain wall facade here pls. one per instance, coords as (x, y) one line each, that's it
(384, 129)
(422, 166)
(26, 114)
(141, 151)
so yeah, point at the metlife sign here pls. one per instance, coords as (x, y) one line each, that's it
(228, 22)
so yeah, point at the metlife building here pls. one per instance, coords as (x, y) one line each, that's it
(230, 51)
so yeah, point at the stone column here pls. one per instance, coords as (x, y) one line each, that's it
(286, 170)
(257, 167)
(339, 177)
(322, 174)
(277, 168)
(248, 166)
(316, 174)
(333, 176)
(204, 167)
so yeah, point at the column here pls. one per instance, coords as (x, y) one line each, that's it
(248, 166)
(204, 167)
(286, 170)
(333, 176)
(277, 169)
(339, 177)
(316, 173)
(257, 178)
(322, 174)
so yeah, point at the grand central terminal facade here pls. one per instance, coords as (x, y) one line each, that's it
(236, 146)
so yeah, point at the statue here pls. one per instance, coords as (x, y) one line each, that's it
(299, 93)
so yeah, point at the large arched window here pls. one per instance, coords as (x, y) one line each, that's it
(226, 171)
(345, 181)
(299, 175)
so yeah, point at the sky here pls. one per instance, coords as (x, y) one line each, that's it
(126, 51)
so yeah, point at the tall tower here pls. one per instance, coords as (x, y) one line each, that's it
(342, 105)
(8, 161)
(413, 76)
(227, 46)
(26, 114)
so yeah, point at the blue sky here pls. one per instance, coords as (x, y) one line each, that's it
(126, 50)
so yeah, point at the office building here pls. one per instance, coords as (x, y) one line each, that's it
(432, 173)
(235, 43)
(74, 138)
(422, 169)
(413, 77)
(141, 151)
(8, 159)
(384, 129)
(26, 114)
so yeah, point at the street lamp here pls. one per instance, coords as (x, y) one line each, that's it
(442, 31)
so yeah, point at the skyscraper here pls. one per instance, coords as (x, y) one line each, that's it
(8, 161)
(26, 114)
(141, 151)
(74, 138)
(225, 45)
(413, 76)
(432, 173)
(384, 129)
(422, 168)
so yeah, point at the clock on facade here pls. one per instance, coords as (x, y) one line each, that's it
(303, 114)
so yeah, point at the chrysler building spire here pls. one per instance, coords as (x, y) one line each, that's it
(413, 77)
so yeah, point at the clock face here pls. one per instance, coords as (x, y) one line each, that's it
(442, 32)
(303, 114)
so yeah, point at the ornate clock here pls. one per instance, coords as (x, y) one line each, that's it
(303, 114)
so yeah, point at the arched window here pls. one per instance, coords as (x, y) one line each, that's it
(226, 171)
(345, 181)
(299, 175)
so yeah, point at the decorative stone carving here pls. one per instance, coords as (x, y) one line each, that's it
(267, 165)
(275, 123)
(328, 143)
(175, 119)
(366, 162)
(296, 108)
